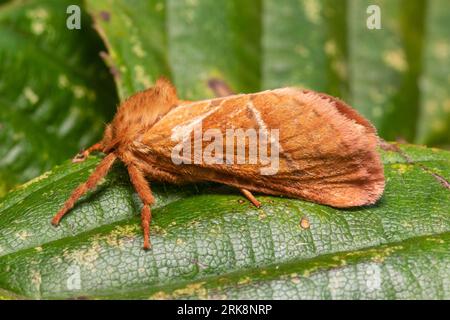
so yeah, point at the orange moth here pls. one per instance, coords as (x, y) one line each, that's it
(324, 150)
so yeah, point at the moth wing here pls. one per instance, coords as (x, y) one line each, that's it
(325, 151)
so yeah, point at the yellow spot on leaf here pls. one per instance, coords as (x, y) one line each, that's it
(262, 215)
(38, 27)
(23, 235)
(30, 95)
(158, 230)
(194, 289)
(381, 256)
(138, 51)
(442, 50)
(401, 167)
(63, 82)
(36, 279)
(38, 17)
(312, 10)
(35, 180)
(37, 13)
(141, 77)
(396, 60)
(84, 257)
(79, 91)
(159, 6)
(160, 295)
(330, 47)
(244, 281)
(120, 235)
(341, 68)
(436, 240)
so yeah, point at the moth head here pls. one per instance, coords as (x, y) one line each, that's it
(156, 100)
(150, 105)
(140, 112)
(163, 92)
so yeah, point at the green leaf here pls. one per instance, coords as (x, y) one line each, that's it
(208, 243)
(189, 41)
(214, 39)
(434, 124)
(304, 44)
(55, 92)
(137, 44)
(385, 65)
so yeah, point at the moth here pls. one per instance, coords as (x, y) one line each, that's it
(326, 151)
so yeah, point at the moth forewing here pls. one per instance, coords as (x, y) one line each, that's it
(325, 153)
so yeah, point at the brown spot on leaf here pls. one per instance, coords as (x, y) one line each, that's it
(304, 223)
(105, 16)
(220, 88)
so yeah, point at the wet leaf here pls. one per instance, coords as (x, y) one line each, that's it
(207, 243)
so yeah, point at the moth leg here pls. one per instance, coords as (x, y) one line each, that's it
(82, 155)
(250, 197)
(145, 193)
(99, 173)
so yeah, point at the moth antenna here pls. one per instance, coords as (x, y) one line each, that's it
(99, 173)
(145, 193)
(250, 197)
(82, 155)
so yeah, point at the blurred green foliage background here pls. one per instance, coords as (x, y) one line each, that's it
(56, 93)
